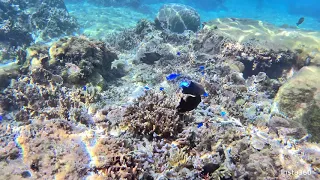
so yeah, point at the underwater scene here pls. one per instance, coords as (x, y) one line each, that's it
(160, 89)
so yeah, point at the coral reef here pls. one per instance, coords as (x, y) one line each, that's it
(51, 19)
(154, 115)
(256, 48)
(47, 89)
(62, 119)
(76, 60)
(25, 21)
(178, 18)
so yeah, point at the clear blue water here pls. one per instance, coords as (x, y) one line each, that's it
(281, 12)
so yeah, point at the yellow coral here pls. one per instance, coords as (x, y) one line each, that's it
(177, 157)
(55, 51)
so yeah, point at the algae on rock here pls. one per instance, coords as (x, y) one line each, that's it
(299, 99)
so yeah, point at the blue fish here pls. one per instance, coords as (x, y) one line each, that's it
(84, 88)
(200, 125)
(146, 88)
(201, 68)
(202, 72)
(161, 88)
(172, 76)
(223, 113)
(205, 94)
(178, 53)
(184, 84)
(1, 118)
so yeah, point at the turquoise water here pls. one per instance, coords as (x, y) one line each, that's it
(279, 13)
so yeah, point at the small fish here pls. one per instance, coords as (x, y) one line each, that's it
(201, 68)
(200, 125)
(161, 88)
(205, 94)
(146, 88)
(1, 118)
(178, 53)
(300, 21)
(307, 61)
(203, 24)
(84, 88)
(223, 113)
(172, 76)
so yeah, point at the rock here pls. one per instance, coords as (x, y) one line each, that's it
(150, 58)
(8, 72)
(299, 99)
(155, 50)
(286, 127)
(178, 18)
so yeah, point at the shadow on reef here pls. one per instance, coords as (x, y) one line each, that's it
(273, 70)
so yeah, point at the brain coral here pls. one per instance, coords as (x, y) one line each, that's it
(177, 18)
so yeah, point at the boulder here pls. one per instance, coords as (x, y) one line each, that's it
(178, 18)
(299, 99)
(155, 50)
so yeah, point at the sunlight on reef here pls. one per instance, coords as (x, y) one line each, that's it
(268, 36)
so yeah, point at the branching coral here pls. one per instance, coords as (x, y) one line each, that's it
(177, 157)
(39, 96)
(154, 113)
(220, 173)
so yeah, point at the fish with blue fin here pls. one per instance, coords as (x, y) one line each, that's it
(192, 99)
(193, 89)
